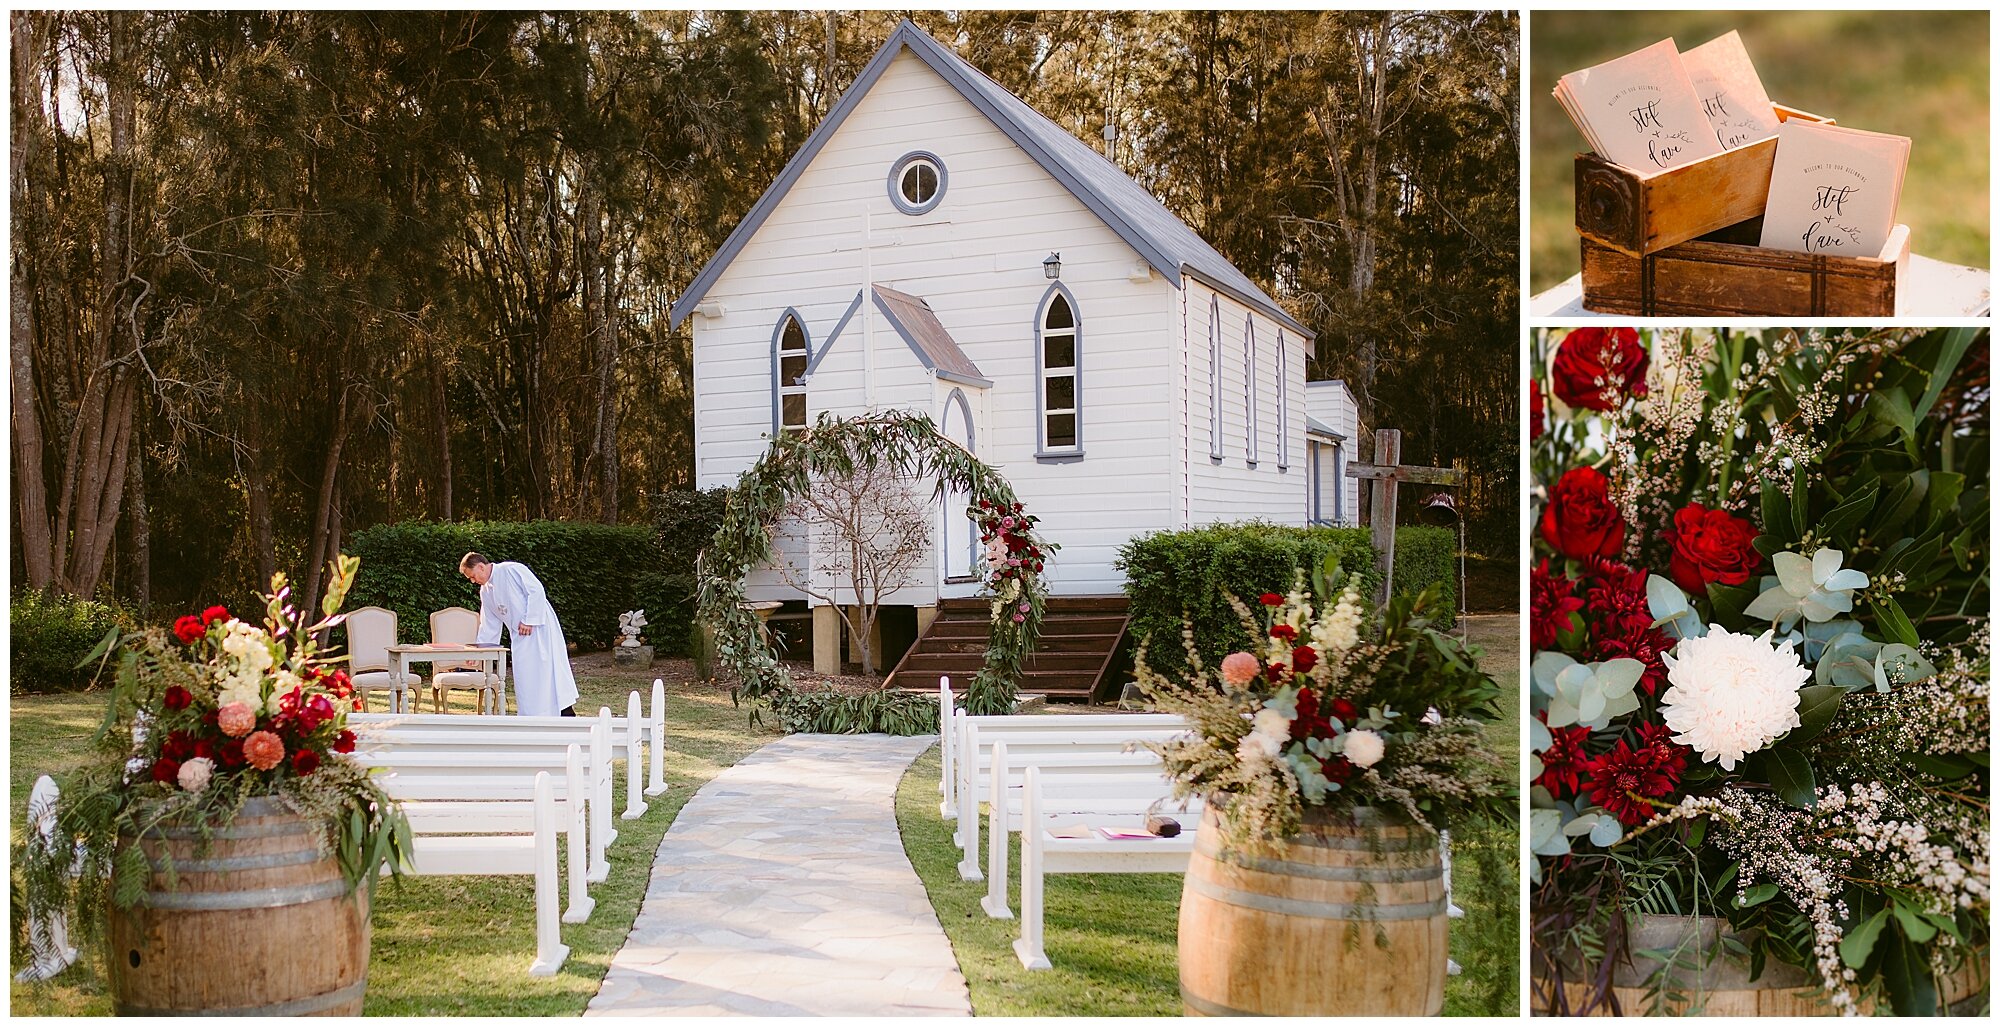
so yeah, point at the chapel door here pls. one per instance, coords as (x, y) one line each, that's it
(959, 537)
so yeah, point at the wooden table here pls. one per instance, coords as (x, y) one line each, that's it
(1931, 288)
(435, 654)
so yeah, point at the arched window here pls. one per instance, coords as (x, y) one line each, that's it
(1284, 404)
(1060, 360)
(1250, 389)
(1214, 380)
(789, 353)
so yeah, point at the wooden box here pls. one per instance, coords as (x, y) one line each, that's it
(1727, 273)
(1636, 214)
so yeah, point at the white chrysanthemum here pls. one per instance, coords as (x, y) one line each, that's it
(1362, 748)
(1269, 730)
(1730, 695)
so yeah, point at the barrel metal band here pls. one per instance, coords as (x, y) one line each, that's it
(1207, 1008)
(296, 1007)
(1322, 910)
(262, 898)
(1407, 843)
(1288, 868)
(273, 829)
(230, 863)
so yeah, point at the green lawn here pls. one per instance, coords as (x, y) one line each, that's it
(1921, 74)
(1111, 937)
(456, 946)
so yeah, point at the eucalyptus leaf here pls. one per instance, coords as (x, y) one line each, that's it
(1607, 832)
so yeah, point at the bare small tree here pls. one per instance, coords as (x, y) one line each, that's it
(864, 534)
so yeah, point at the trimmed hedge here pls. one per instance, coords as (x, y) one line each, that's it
(684, 523)
(593, 572)
(50, 634)
(1175, 574)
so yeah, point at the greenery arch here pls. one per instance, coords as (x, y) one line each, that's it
(912, 445)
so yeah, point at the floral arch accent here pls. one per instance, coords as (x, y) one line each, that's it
(912, 445)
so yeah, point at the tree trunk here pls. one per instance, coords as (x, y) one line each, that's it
(441, 432)
(325, 514)
(30, 37)
(601, 328)
(139, 530)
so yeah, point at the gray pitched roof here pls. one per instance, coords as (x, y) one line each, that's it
(913, 319)
(1315, 426)
(1168, 244)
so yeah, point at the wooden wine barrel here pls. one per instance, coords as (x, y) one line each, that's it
(1346, 919)
(1723, 987)
(261, 924)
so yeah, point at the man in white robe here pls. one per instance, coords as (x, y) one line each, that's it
(511, 596)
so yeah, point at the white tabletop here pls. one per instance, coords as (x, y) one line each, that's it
(1931, 288)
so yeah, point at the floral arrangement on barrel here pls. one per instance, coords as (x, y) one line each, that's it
(1761, 663)
(1329, 709)
(203, 719)
(1015, 555)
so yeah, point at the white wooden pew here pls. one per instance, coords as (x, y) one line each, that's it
(498, 758)
(1053, 800)
(975, 747)
(445, 800)
(531, 852)
(951, 721)
(1124, 773)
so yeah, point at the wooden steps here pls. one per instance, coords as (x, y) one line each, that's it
(1079, 636)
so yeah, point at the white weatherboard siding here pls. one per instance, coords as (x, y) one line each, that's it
(1332, 403)
(976, 259)
(1231, 489)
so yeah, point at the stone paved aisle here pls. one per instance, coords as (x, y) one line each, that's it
(782, 890)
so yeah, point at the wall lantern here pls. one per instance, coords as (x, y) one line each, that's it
(1052, 266)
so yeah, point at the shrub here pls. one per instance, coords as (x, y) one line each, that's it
(592, 571)
(1175, 574)
(829, 711)
(684, 522)
(51, 634)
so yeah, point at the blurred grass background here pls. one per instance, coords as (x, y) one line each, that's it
(1921, 74)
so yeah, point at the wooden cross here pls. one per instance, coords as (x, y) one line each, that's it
(1388, 472)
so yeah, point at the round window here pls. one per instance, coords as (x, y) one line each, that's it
(916, 182)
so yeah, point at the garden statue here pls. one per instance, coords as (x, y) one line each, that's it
(630, 651)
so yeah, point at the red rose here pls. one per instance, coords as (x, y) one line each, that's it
(1711, 546)
(1580, 520)
(1284, 631)
(231, 753)
(178, 746)
(305, 761)
(1535, 409)
(343, 742)
(214, 613)
(1552, 605)
(1338, 770)
(1304, 659)
(167, 771)
(1596, 368)
(189, 629)
(1344, 711)
(1271, 599)
(177, 698)
(205, 749)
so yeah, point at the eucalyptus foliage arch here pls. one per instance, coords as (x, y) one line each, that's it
(835, 446)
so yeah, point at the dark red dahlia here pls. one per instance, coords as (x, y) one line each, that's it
(1658, 739)
(305, 761)
(1646, 646)
(178, 746)
(1563, 760)
(230, 754)
(1344, 711)
(343, 742)
(1552, 605)
(1622, 779)
(1338, 770)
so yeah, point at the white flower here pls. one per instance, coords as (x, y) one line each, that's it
(1818, 588)
(1269, 730)
(195, 772)
(1730, 695)
(1433, 717)
(1339, 630)
(1362, 748)
(234, 691)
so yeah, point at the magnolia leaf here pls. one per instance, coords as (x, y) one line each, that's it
(1949, 767)
(1839, 525)
(1777, 512)
(1914, 926)
(1791, 777)
(1889, 616)
(1756, 894)
(1859, 941)
(1892, 407)
(1817, 705)
(1954, 345)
